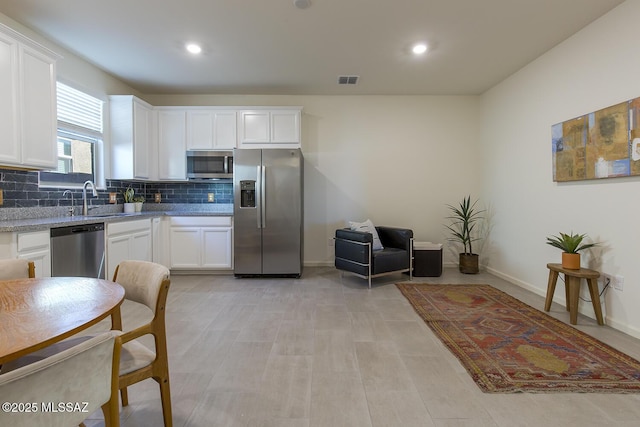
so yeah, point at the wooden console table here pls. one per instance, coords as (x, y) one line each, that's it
(572, 280)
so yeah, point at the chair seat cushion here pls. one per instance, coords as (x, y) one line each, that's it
(390, 259)
(135, 356)
(386, 260)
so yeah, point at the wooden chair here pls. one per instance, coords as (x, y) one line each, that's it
(145, 283)
(87, 372)
(16, 269)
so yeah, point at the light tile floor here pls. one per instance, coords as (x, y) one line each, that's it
(324, 350)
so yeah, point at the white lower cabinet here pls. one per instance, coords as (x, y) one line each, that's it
(216, 248)
(128, 240)
(190, 243)
(156, 242)
(34, 246)
(201, 243)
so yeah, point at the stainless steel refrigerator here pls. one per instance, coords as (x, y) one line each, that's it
(267, 198)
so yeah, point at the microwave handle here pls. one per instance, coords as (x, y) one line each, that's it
(226, 164)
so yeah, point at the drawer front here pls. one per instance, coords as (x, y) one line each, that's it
(35, 240)
(128, 226)
(200, 221)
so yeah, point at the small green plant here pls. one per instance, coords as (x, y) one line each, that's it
(128, 195)
(139, 199)
(464, 218)
(570, 243)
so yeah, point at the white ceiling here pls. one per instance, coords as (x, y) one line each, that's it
(272, 47)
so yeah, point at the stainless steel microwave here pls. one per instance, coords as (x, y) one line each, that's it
(204, 164)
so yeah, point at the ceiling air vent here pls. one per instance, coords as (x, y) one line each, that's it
(348, 80)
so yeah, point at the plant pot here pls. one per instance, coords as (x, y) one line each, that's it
(468, 263)
(129, 207)
(138, 206)
(570, 261)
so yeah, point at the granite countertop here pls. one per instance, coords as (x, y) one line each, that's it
(21, 219)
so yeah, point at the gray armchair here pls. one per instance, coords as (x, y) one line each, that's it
(354, 252)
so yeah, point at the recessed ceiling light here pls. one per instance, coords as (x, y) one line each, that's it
(419, 48)
(302, 4)
(193, 48)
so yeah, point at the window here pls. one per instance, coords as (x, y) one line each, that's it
(79, 139)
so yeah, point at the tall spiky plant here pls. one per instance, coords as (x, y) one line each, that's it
(464, 218)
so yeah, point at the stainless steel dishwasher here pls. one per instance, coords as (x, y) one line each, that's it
(78, 251)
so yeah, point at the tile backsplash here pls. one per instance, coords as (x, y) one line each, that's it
(20, 190)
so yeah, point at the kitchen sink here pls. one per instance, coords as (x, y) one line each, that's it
(105, 215)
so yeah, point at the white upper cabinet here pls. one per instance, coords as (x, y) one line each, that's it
(150, 143)
(269, 127)
(209, 129)
(133, 146)
(172, 164)
(285, 126)
(27, 102)
(142, 146)
(10, 148)
(254, 127)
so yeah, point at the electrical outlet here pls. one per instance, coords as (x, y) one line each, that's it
(158, 197)
(1, 197)
(113, 198)
(618, 282)
(210, 197)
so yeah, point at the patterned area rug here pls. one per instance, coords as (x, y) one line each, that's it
(508, 346)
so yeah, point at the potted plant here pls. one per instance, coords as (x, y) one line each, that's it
(464, 218)
(570, 245)
(138, 201)
(129, 195)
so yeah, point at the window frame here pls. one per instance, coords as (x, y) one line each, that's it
(96, 137)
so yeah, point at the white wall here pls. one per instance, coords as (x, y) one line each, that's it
(397, 160)
(596, 68)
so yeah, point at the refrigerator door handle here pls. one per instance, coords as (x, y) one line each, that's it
(263, 196)
(258, 196)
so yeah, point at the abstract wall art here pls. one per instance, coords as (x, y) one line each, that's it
(602, 144)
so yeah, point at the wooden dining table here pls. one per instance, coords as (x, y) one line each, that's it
(35, 313)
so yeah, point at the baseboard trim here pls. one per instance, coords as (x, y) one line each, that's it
(318, 264)
(201, 272)
(585, 309)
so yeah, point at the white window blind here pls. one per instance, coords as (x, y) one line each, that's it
(79, 142)
(79, 110)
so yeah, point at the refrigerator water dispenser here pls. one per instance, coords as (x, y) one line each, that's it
(247, 194)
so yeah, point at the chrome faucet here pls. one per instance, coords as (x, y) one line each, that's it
(85, 210)
(72, 204)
